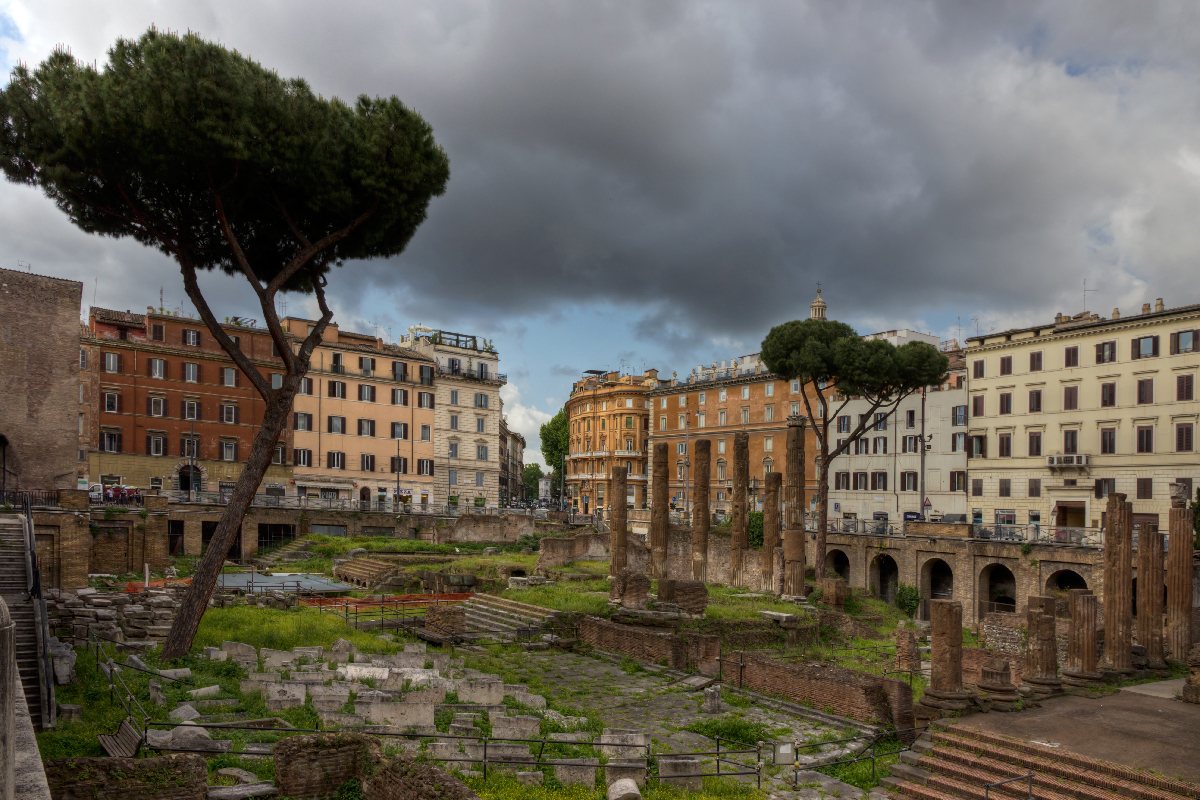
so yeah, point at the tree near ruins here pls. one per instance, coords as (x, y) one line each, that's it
(556, 441)
(530, 477)
(834, 364)
(220, 164)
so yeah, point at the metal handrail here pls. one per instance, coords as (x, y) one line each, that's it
(870, 745)
(987, 787)
(41, 621)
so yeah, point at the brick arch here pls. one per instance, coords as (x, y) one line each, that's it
(937, 579)
(837, 562)
(884, 576)
(186, 463)
(997, 584)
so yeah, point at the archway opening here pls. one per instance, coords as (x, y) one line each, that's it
(838, 563)
(885, 577)
(1065, 580)
(937, 580)
(998, 589)
(189, 478)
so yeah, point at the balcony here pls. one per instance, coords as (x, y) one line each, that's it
(628, 453)
(600, 453)
(472, 375)
(339, 369)
(1072, 461)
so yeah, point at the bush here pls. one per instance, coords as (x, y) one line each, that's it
(755, 525)
(908, 599)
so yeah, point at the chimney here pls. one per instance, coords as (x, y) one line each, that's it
(1116, 313)
(1158, 305)
(1057, 317)
(1145, 308)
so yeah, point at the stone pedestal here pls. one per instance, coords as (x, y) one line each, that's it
(1118, 585)
(739, 540)
(712, 700)
(1080, 669)
(908, 656)
(1150, 596)
(945, 692)
(996, 683)
(701, 485)
(834, 592)
(1179, 576)
(618, 521)
(771, 523)
(1041, 662)
(660, 510)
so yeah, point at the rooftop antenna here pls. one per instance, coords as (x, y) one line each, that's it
(1085, 293)
(95, 283)
(976, 321)
(958, 327)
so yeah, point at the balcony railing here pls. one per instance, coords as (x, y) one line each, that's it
(627, 453)
(1071, 461)
(472, 375)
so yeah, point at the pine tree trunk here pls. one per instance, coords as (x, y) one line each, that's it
(823, 511)
(195, 600)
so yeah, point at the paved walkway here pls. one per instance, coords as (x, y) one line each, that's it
(1163, 689)
(1128, 728)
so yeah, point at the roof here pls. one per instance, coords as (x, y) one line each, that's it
(1074, 324)
(118, 317)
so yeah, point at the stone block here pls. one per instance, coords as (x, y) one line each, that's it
(682, 772)
(527, 699)
(625, 769)
(624, 744)
(577, 770)
(483, 692)
(459, 729)
(523, 727)
(239, 649)
(623, 789)
(399, 714)
(356, 672)
(275, 659)
(205, 691)
(281, 696)
(434, 696)
(415, 647)
(341, 720)
(530, 778)
(440, 751)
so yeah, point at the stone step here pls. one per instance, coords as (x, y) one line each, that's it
(514, 606)
(986, 771)
(511, 618)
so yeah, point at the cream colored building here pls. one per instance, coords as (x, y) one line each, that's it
(363, 420)
(466, 415)
(1062, 414)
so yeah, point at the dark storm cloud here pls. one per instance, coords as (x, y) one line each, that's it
(705, 164)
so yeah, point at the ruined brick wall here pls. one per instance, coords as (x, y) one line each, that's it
(588, 546)
(974, 659)
(179, 776)
(313, 766)
(445, 620)
(1005, 636)
(873, 699)
(405, 779)
(676, 651)
(39, 379)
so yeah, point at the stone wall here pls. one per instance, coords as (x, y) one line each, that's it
(675, 650)
(314, 766)
(72, 543)
(112, 615)
(872, 699)
(446, 620)
(974, 659)
(588, 546)
(179, 776)
(1005, 636)
(405, 779)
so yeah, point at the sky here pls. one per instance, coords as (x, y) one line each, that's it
(656, 184)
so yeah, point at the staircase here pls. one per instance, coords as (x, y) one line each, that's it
(958, 763)
(275, 556)
(365, 572)
(504, 619)
(14, 586)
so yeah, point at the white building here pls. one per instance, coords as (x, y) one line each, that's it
(544, 488)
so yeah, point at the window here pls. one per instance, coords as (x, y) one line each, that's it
(424, 466)
(662, 403)
(745, 392)
(958, 415)
(1071, 356)
(1070, 442)
(745, 415)
(680, 448)
(682, 401)
(454, 397)
(1006, 403)
(910, 419)
(302, 421)
(479, 482)
(1035, 401)
(481, 400)
(699, 420)
(1108, 441)
(399, 397)
(662, 421)
(908, 481)
(454, 422)
(1145, 439)
(1145, 391)
(977, 447)
(958, 442)
(335, 460)
(481, 452)
(191, 337)
(977, 406)
(366, 427)
(1006, 365)
(229, 414)
(1005, 489)
(110, 441)
(1035, 443)
(795, 388)
(302, 458)
(843, 424)
(156, 406)
(720, 445)
(1145, 488)
(82, 358)
(768, 444)
(157, 367)
(366, 366)
(977, 369)
(366, 393)
(1183, 437)
(976, 487)
(452, 450)
(879, 481)
(1035, 361)
(1004, 445)
(682, 421)
(880, 421)
(1035, 487)
(399, 430)
(335, 425)
(958, 481)
(720, 470)
(1106, 352)
(1185, 388)
(425, 400)
(399, 465)
(1145, 347)
(366, 463)
(880, 445)
(1070, 398)
(276, 380)
(909, 444)
(1108, 395)
(629, 420)
(769, 389)
(769, 414)
(841, 480)
(1104, 487)
(229, 376)
(862, 447)
(112, 362)
(229, 451)
(1184, 342)
(860, 481)
(679, 472)
(191, 409)
(156, 445)
(337, 389)
(795, 412)
(112, 402)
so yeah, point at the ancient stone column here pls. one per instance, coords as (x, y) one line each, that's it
(1081, 640)
(1041, 665)
(1179, 576)
(660, 512)
(619, 522)
(740, 538)
(702, 515)
(774, 481)
(995, 678)
(1118, 585)
(945, 692)
(1150, 596)
(793, 474)
(793, 563)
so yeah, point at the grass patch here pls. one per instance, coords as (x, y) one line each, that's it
(732, 728)
(284, 630)
(499, 786)
(860, 772)
(571, 597)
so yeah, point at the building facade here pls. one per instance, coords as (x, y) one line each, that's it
(173, 411)
(467, 412)
(880, 476)
(39, 446)
(609, 421)
(363, 419)
(512, 464)
(1062, 414)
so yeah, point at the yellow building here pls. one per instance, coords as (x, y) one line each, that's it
(363, 420)
(609, 418)
(1062, 414)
